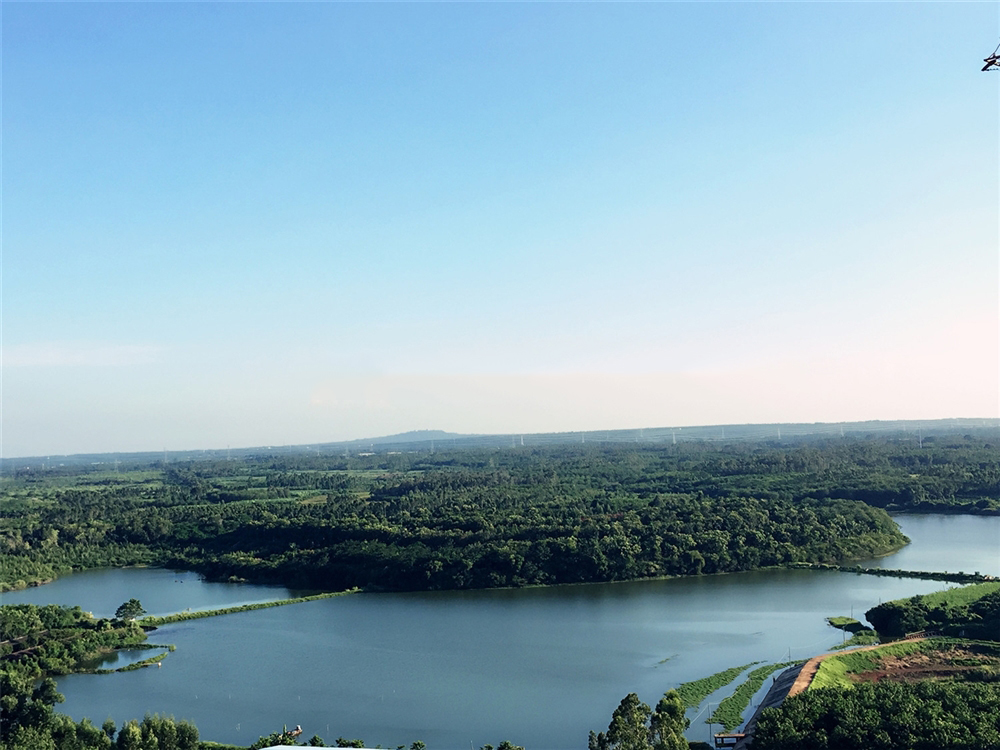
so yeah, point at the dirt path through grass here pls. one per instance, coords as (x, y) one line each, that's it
(805, 677)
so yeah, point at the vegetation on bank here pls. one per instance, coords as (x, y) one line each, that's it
(477, 519)
(28, 721)
(845, 623)
(634, 726)
(729, 712)
(154, 621)
(53, 640)
(834, 671)
(861, 635)
(866, 637)
(941, 655)
(926, 575)
(925, 715)
(968, 612)
(694, 692)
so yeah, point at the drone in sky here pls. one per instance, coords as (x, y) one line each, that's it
(993, 61)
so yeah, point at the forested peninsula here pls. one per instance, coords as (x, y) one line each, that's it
(490, 518)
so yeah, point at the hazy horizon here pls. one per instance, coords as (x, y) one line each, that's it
(655, 434)
(276, 224)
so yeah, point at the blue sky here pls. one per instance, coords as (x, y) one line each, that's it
(270, 223)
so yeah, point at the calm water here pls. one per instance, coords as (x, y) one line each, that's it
(162, 592)
(539, 667)
(950, 543)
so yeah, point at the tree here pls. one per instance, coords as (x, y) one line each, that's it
(130, 610)
(129, 736)
(667, 725)
(634, 727)
(627, 730)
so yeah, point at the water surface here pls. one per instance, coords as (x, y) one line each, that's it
(539, 667)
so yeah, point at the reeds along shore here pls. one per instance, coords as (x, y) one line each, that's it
(153, 622)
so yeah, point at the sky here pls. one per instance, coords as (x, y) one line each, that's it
(256, 223)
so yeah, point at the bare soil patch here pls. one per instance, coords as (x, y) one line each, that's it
(932, 665)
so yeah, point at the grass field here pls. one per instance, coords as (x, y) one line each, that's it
(961, 594)
(833, 672)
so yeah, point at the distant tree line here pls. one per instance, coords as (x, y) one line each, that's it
(475, 519)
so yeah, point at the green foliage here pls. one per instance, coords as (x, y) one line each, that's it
(634, 727)
(54, 640)
(130, 610)
(960, 595)
(142, 664)
(469, 519)
(694, 692)
(833, 671)
(972, 611)
(272, 740)
(668, 722)
(885, 716)
(861, 635)
(628, 729)
(866, 637)
(28, 721)
(184, 616)
(845, 623)
(729, 713)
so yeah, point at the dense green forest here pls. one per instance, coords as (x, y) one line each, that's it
(967, 612)
(924, 715)
(53, 640)
(473, 519)
(484, 518)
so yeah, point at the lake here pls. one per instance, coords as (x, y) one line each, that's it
(539, 667)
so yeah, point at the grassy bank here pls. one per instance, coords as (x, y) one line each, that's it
(959, 596)
(861, 635)
(152, 621)
(833, 671)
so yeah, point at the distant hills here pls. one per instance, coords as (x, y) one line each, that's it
(406, 438)
(431, 440)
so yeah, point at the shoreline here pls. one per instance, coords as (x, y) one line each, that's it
(151, 622)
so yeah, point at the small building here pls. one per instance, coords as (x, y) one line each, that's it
(728, 739)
